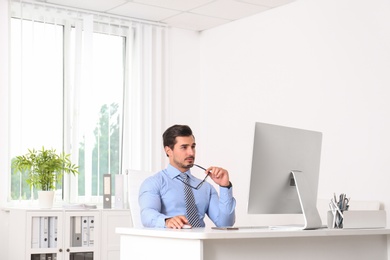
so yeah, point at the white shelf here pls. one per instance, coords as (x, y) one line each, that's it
(104, 223)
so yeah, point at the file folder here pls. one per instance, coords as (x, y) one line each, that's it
(85, 231)
(91, 231)
(44, 257)
(44, 232)
(35, 230)
(119, 191)
(106, 191)
(76, 231)
(78, 256)
(53, 232)
(35, 257)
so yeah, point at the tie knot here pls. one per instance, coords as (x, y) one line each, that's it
(184, 176)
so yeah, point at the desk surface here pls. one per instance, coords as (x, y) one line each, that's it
(208, 233)
(253, 244)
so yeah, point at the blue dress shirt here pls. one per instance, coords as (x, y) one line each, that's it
(161, 196)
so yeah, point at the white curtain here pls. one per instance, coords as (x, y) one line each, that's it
(143, 116)
(145, 70)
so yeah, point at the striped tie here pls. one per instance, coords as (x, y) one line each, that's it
(192, 211)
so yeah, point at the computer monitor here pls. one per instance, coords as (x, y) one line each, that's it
(285, 172)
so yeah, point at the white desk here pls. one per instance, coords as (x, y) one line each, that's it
(246, 244)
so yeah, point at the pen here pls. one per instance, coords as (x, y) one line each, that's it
(337, 208)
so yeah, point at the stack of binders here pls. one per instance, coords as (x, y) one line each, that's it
(81, 256)
(44, 232)
(44, 257)
(82, 231)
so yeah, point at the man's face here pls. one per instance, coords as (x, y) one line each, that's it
(183, 154)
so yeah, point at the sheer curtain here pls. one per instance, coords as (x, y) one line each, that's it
(144, 113)
(4, 101)
(142, 99)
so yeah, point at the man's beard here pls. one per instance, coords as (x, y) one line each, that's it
(185, 166)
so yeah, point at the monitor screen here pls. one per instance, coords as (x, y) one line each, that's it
(278, 153)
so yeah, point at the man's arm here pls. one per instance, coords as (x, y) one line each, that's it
(150, 204)
(222, 207)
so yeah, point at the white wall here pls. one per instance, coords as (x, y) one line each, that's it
(183, 92)
(309, 65)
(313, 64)
(183, 95)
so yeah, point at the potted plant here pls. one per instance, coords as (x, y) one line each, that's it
(45, 168)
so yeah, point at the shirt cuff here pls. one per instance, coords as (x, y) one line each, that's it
(229, 186)
(225, 193)
(161, 222)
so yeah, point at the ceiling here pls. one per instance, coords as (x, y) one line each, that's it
(196, 15)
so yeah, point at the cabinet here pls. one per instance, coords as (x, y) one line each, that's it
(111, 219)
(57, 234)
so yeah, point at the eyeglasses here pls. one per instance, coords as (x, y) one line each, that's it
(201, 183)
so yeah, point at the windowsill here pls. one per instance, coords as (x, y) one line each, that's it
(33, 204)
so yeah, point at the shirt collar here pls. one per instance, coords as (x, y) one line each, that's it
(173, 172)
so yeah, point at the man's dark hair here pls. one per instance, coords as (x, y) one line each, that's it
(169, 136)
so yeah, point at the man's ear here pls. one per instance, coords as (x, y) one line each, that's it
(168, 150)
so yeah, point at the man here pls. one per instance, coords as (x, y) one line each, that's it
(162, 196)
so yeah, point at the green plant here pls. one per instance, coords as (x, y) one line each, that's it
(45, 167)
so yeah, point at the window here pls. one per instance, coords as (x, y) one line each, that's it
(88, 86)
(36, 92)
(100, 115)
(38, 106)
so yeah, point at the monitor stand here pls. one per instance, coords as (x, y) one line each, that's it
(308, 202)
(308, 205)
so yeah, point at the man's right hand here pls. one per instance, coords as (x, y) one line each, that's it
(176, 222)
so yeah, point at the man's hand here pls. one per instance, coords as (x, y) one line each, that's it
(219, 175)
(176, 222)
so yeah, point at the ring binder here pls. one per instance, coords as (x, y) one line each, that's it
(107, 191)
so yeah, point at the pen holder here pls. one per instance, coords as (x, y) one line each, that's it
(335, 219)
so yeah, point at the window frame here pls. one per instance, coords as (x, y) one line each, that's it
(146, 80)
(70, 182)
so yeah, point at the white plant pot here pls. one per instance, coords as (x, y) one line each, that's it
(46, 199)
